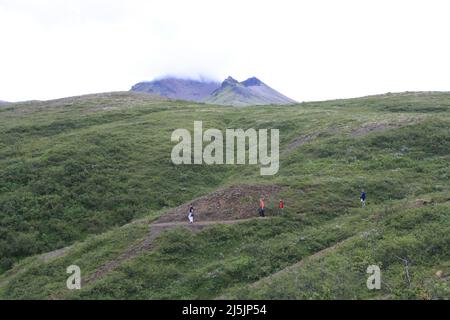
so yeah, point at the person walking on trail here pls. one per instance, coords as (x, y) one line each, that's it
(191, 214)
(363, 198)
(261, 207)
(281, 207)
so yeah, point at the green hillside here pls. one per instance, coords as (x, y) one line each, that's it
(228, 96)
(92, 176)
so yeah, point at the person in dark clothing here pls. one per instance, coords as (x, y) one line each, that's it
(191, 214)
(363, 198)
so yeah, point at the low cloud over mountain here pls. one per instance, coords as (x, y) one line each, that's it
(180, 89)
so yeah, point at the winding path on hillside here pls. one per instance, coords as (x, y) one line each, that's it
(155, 229)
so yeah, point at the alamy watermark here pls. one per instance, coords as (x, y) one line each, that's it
(235, 142)
(74, 280)
(374, 280)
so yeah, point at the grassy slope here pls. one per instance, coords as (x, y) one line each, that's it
(228, 97)
(74, 168)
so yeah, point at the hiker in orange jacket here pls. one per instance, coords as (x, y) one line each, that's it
(261, 207)
(281, 207)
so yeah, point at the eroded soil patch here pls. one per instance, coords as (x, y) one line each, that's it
(237, 202)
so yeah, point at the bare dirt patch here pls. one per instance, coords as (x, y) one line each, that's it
(237, 202)
(54, 254)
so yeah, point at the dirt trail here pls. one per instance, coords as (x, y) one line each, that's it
(155, 229)
(230, 205)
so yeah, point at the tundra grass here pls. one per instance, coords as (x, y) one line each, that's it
(73, 171)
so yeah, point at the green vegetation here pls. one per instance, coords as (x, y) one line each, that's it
(75, 171)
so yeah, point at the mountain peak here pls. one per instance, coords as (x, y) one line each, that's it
(230, 80)
(249, 92)
(253, 81)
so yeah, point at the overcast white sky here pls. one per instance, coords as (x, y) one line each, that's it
(308, 50)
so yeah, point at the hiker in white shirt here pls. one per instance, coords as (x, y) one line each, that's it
(191, 214)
